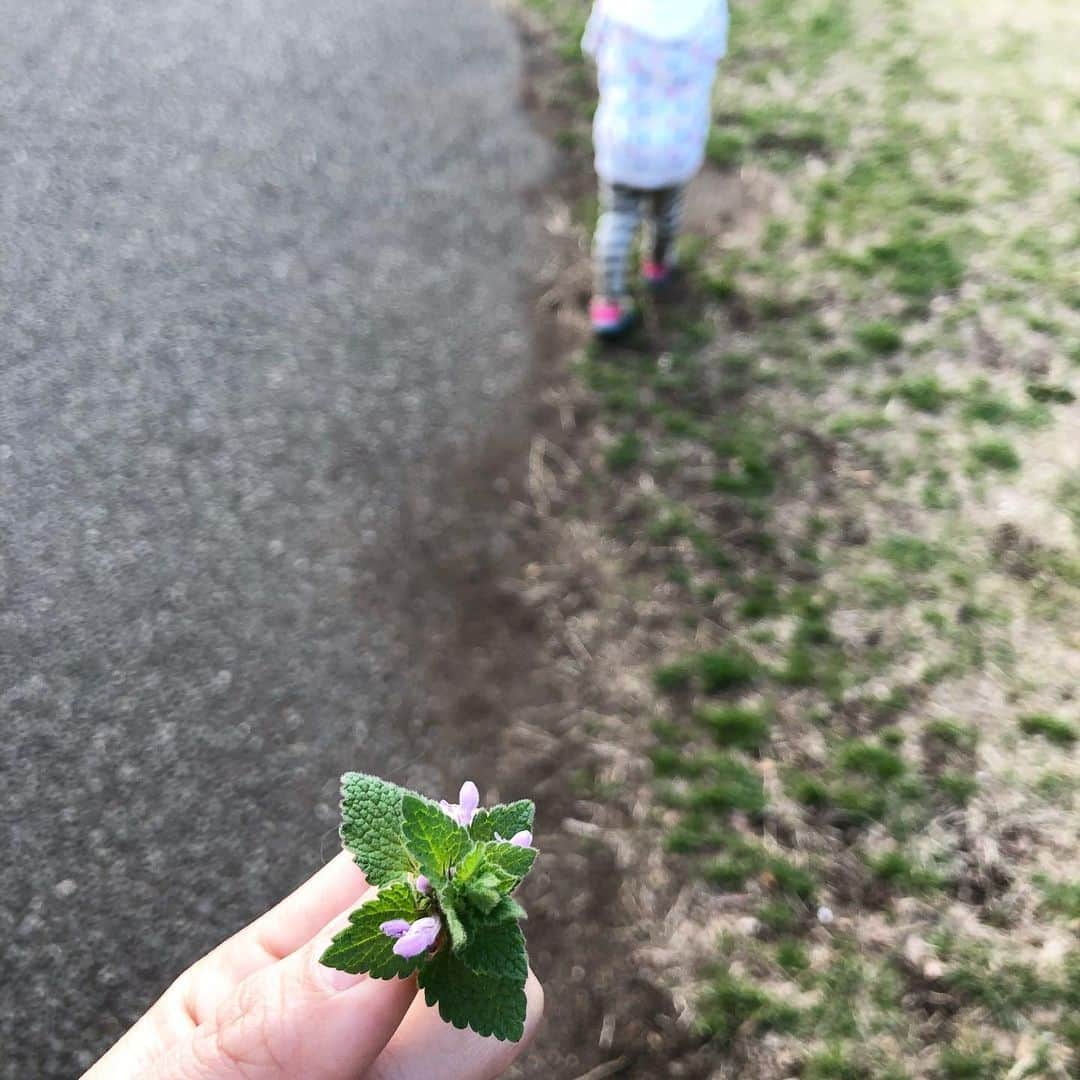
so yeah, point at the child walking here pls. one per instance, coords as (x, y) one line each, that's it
(656, 61)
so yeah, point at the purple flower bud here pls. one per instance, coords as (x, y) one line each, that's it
(464, 810)
(419, 937)
(468, 801)
(522, 839)
(422, 884)
(395, 927)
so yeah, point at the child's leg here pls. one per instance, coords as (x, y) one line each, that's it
(620, 214)
(665, 221)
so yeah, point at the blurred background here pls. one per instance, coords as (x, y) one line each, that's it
(307, 463)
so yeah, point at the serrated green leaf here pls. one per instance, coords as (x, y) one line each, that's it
(470, 865)
(482, 893)
(458, 935)
(436, 842)
(486, 1003)
(513, 860)
(507, 909)
(362, 946)
(495, 948)
(506, 819)
(371, 828)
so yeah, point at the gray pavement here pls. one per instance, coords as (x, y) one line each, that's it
(260, 272)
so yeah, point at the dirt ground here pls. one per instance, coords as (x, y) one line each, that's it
(776, 613)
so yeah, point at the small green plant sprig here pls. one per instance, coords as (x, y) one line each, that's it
(444, 911)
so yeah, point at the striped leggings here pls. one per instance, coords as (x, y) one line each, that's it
(620, 215)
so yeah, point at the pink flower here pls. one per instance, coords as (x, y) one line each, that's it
(465, 809)
(412, 938)
(519, 839)
(422, 884)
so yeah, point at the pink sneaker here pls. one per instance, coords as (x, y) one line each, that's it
(609, 318)
(655, 274)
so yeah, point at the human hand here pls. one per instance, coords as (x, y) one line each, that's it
(262, 1007)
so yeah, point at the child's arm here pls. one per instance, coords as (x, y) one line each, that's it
(719, 27)
(594, 30)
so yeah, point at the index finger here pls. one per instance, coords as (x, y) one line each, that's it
(303, 913)
(285, 927)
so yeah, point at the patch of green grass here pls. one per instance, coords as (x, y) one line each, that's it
(835, 1064)
(743, 860)
(679, 424)
(847, 424)
(762, 598)
(670, 734)
(1061, 897)
(1071, 986)
(1048, 394)
(996, 454)
(784, 134)
(813, 658)
(985, 405)
(671, 524)
(674, 677)
(923, 392)
(1057, 787)
(726, 669)
(1008, 992)
(726, 149)
(959, 787)
(737, 726)
(828, 30)
(911, 553)
(880, 338)
(791, 880)
(721, 287)
(937, 493)
(884, 591)
(697, 833)
(625, 452)
(740, 862)
(861, 804)
(808, 789)
(1051, 728)
(971, 1064)
(729, 785)
(778, 917)
(841, 358)
(921, 268)
(669, 762)
(870, 760)
(748, 471)
(903, 873)
(731, 1005)
(954, 734)
(800, 668)
(1068, 496)
(842, 987)
(680, 575)
(792, 956)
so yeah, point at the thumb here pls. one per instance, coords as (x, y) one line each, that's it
(297, 1018)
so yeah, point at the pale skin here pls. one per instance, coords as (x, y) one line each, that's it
(262, 1007)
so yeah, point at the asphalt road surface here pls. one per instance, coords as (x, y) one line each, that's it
(261, 271)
